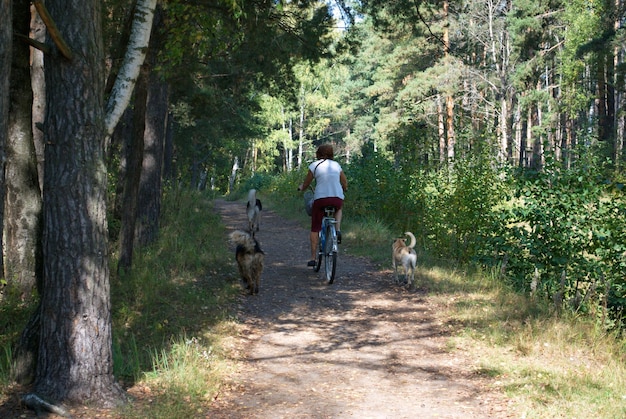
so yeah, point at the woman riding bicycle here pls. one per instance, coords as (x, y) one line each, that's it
(330, 185)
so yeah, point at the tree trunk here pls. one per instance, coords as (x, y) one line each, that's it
(450, 134)
(150, 186)
(301, 136)
(22, 218)
(441, 131)
(75, 362)
(503, 153)
(290, 135)
(132, 175)
(168, 151)
(6, 52)
(518, 142)
(133, 60)
(451, 137)
(37, 79)
(233, 175)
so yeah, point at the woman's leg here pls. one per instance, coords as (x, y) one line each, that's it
(314, 240)
(338, 214)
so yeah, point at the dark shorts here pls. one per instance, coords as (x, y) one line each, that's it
(317, 212)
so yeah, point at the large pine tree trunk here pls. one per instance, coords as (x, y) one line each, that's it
(75, 362)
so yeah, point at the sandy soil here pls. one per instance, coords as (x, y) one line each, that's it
(362, 347)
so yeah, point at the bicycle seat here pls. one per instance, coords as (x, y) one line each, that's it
(330, 210)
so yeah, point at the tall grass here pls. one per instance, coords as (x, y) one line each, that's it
(173, 311)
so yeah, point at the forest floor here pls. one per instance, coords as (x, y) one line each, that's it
(362, 347)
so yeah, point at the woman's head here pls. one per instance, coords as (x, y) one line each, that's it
(325, 151)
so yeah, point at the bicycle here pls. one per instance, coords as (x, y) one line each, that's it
(327, 245)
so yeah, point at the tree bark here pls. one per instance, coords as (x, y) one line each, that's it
(134, 59)
(6, 52)
(132, 174)
(75, 362)
(441, 132)
(37, 78)
(450, 134)
(22, 217)
(150, 186)
(168, 150)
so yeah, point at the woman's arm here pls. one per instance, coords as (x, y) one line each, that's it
(344, 181)
(307, 181)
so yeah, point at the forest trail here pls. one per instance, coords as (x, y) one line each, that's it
(360, 348)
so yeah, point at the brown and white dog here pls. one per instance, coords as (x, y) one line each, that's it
(253, 209)
(405, 256)
(249, 258)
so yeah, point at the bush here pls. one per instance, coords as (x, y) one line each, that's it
(562, 237)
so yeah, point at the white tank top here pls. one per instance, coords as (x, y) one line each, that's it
(326, 173)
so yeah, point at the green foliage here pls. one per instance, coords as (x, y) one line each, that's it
(259, 182)
(459, 205)
(283, 188)
(448, 211)
(562, 237)
(378, 190)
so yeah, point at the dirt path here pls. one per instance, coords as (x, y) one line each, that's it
(360, 348)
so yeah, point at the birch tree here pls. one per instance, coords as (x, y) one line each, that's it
(133, 59)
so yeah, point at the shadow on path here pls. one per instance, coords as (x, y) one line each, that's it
(360, 348)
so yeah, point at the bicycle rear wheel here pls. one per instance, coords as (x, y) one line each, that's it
(330, 255)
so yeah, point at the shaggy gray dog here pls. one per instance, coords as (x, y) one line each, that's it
(249, 258)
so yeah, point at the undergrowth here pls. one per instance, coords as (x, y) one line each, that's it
(173, 312)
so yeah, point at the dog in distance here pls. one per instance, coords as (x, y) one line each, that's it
(405, 256)
(250, 258)
(253, 209)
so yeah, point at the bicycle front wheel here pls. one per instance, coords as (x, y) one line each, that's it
(330, 255)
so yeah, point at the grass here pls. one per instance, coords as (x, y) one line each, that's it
(173, 314)
(550, 366)
(174, 324)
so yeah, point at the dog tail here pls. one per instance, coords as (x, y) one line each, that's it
(245, 240)
(251, 198)
(412, 237)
